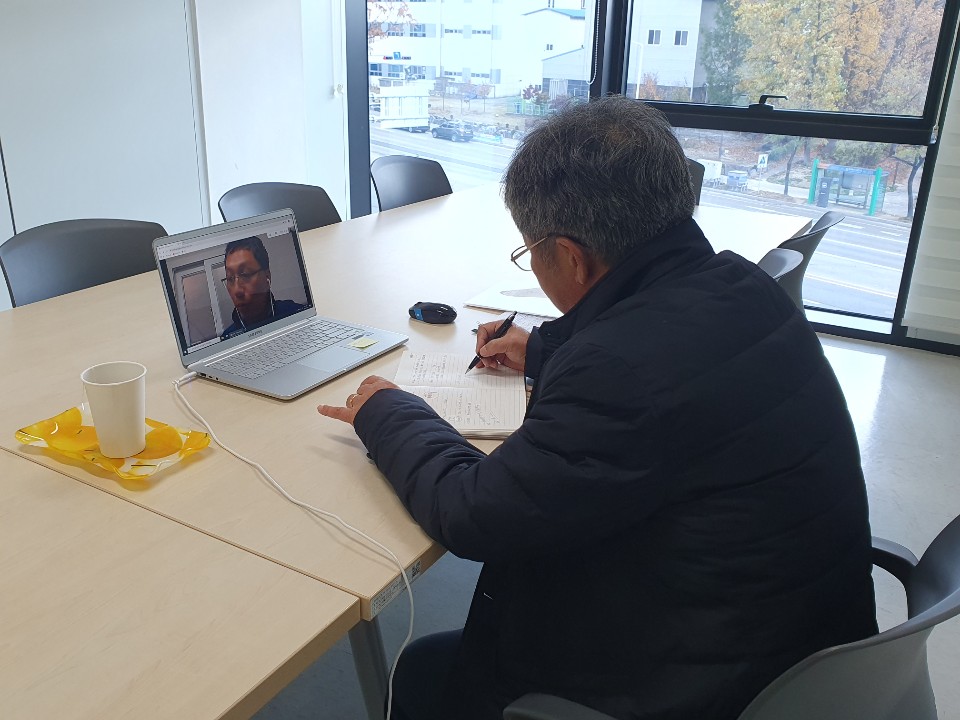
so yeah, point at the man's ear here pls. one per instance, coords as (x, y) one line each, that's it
(583, 267)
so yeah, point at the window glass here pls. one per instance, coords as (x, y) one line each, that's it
(495, 68)
(857, 266)
(827, 55)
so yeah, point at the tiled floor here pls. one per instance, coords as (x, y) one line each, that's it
(906, 407)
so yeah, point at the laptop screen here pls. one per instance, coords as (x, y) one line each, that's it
(226, 280)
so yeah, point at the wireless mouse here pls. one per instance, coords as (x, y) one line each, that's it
(433, 313)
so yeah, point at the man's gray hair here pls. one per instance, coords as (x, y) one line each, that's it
(609, 174)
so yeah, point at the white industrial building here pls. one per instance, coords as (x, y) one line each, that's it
(511, 45)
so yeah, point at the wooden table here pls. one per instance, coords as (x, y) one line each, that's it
(368, 270)
(109, 610)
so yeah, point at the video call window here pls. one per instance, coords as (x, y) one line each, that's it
(220, 294)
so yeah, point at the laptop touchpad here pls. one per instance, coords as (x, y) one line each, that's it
(332, 359)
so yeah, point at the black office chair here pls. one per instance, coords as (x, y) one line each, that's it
(779, 261)
(401, 180)
(884, 677)
(697, 171)
(805, 244)
(70, 255)
(311, 205)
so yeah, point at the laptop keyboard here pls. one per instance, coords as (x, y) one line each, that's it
(285, 349)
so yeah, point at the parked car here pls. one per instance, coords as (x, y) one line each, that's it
(456, 131)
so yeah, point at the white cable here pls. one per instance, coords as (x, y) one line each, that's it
(310, 508)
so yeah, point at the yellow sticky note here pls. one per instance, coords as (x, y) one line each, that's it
(364, 342)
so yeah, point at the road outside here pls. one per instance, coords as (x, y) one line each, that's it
(856, 268)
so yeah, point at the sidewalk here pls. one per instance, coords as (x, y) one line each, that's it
(894, 202)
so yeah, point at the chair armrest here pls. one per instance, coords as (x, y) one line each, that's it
(549, 707)
(894, 558)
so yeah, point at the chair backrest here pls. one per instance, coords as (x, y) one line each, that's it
(779, 261)
(697, 171)
(805, 244)
(311, 205)
(401, 180)
(883, 677)
(70, 255)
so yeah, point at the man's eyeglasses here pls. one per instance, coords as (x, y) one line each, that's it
(521, 256)
(241, 278)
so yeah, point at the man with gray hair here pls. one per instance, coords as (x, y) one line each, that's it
(682, 515)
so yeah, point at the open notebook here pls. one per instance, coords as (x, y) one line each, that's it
(483, 403)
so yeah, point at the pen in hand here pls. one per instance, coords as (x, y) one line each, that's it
(501, 331)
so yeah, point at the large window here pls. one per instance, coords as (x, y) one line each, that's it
(828, 55)
(855, 95)
(855, 90)
(495, 67)
(858, 265)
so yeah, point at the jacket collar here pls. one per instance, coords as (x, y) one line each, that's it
(660, 257)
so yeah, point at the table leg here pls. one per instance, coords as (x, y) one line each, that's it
(370, 660)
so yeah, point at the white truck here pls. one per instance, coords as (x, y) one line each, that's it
(405, 107)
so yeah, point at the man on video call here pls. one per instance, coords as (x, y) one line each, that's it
(248, 280)
(682, 515)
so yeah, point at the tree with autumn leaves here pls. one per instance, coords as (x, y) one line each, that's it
(862, 56)
(870, 56)
(381, 16)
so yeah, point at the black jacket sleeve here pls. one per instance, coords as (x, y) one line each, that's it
(582, 465)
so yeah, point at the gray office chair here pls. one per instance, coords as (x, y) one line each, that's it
(401, 180)
(70, 255)
(884, 677)
(779, 261)
(805, 244)
(311, 205)
(697, 171)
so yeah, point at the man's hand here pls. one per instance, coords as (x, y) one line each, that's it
(355, 401)
(510, 350)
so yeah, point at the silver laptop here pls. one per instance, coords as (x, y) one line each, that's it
(243, 312)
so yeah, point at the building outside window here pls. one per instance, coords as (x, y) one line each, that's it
(852, 137)
(534, 58)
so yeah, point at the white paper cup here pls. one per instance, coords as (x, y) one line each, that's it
(116, 393)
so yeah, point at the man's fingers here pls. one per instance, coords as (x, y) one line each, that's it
(336, 412)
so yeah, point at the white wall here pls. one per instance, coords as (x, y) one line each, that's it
(97, 113)
(101, 102)
(268, 114)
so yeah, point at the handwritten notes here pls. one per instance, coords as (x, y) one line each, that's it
(483, 403)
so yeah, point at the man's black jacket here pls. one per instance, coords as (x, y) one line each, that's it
(682, 515)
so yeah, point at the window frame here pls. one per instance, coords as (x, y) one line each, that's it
(611, 28)
(613, 21)
(613, 25)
